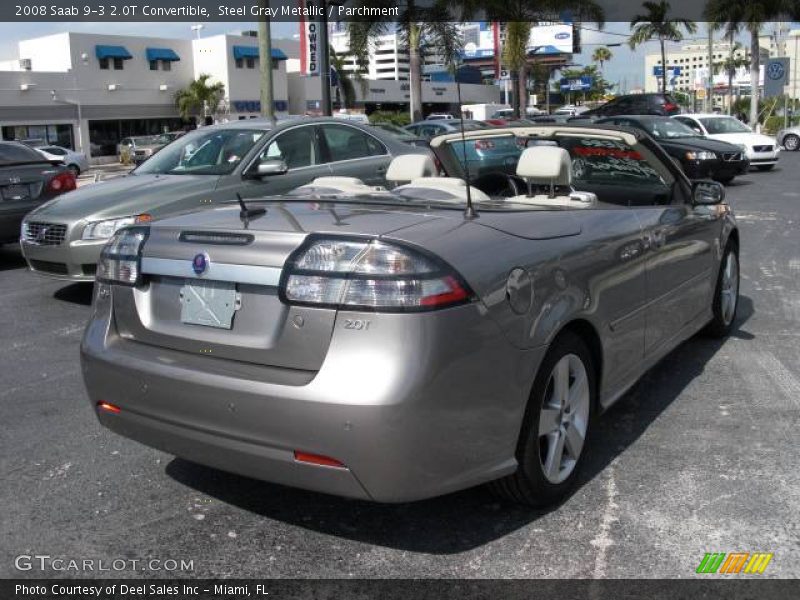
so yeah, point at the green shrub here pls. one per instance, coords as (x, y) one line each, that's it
(387, 116)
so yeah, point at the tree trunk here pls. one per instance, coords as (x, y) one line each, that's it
(755, 63)
(731, 73)
(523, 89)
(415, 73)
(663, 67)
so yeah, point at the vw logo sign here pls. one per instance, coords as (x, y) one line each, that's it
(775, 70)
(200, 263)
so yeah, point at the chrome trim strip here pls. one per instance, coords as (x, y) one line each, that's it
(253, 274)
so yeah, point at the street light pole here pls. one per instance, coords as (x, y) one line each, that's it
(325, 61)
(265, 64)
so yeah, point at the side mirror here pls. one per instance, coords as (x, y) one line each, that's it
(269, 167)
(707, 193)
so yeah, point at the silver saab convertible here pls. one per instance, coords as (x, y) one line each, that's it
(393, 345)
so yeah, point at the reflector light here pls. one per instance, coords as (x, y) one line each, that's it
(316, 459)
(108, 407)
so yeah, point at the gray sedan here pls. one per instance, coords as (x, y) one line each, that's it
(397, 345)
(201, 169)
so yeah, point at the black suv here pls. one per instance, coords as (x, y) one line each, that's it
(636, 104)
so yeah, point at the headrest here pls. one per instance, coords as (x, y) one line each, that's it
(408, 167)
(545, 165)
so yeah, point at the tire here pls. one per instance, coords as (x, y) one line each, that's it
(765, 167)
(543, 477)
(791, 142)
(76, 170)
(726, 294)
(725, 180)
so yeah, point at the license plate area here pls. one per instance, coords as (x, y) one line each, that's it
(16, 192)
(209, 303)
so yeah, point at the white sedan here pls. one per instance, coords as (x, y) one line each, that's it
(75, 161)
(761, 150)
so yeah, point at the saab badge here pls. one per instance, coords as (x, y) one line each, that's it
(200, 263)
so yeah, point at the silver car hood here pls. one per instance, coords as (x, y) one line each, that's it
(124, 196)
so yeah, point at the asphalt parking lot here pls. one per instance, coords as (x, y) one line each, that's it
(700, 457)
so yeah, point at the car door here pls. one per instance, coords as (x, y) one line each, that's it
(299, 148)
(352, 152)
(680, 241)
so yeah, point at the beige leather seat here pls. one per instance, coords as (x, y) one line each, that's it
(548, 173)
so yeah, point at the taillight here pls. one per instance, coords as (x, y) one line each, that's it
(484, 145)
(669, 107)
(364, 274)
(63, 182)
(121, 258)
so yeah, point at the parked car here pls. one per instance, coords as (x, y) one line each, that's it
(789, 138)
(428, 129)
(664, 105)
(126, 148)
(762, 151)
(437, 116)
(389, 346)
(554, 118)
(147, 147)
(571, 110)
(402, 135)
(27, 179)
(74, 161)
(204, 168)
(699, 156)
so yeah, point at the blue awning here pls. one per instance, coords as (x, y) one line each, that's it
(112, 52)
(167, 54)
(252, 52)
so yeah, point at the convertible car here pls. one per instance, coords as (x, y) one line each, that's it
(398, 344)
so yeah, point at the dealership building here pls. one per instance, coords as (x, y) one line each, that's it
(90, 91)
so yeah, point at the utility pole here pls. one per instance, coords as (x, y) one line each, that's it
(265, 64)
(325, 61)
(708, 104)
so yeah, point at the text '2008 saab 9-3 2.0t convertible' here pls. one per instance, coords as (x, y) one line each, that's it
(394, 345)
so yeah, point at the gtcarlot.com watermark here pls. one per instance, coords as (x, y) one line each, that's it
(60, 564)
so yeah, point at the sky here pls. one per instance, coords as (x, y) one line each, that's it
(626, 67)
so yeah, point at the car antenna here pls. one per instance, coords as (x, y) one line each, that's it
(245, 213)
(469, 211)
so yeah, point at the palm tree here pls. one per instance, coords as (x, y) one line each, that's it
(345, 90)
(601, 55)
(423, 30)
(735, 60)
(519, 17)
(750, 15)
(199, 98)
(656, 25)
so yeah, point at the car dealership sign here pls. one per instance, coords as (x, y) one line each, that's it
(310, 48)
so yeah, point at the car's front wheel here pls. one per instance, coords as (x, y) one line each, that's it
(726, 294)
(765, 167)
(556, 426)
(791, 142)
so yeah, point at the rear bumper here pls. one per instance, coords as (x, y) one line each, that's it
(431, 404)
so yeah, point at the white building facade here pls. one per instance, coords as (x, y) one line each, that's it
(89, 91)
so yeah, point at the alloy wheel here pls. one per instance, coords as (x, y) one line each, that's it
(729, 290)
(564, 418)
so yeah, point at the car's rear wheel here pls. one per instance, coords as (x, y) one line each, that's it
(726, 294)
(74, 169)
(765, 167)
(791, 142)
(556, 426)
(725, 180)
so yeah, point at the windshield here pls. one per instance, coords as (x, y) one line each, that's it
(724, 125)
(668, 129)
(204, 152)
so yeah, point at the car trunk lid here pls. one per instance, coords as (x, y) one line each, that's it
(210, 282)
